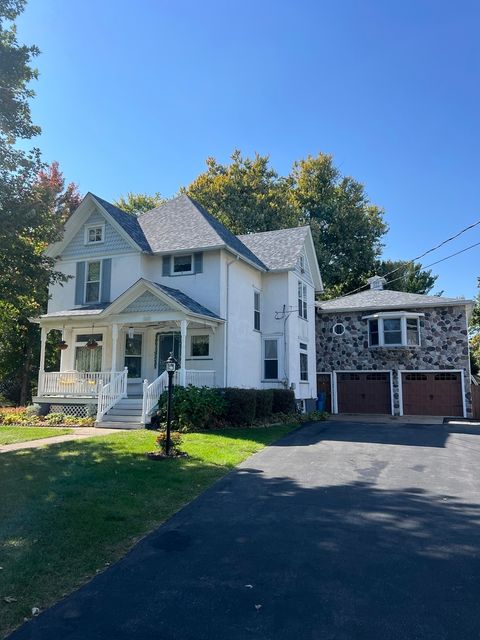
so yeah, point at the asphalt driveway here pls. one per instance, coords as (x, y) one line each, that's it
(339, 531)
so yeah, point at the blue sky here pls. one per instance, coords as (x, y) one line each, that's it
(135, 96)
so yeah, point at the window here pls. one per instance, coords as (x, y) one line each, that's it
(388, 331)
(302, 300)
(200, 346)
(88, 359)
(302, 263)
(133, 355)
(338, 329)
(270, 369)
(303, 363)
(92, 284)
(413, 333)
(392, 331)
(256, 310)
(94, 234)
(183, 264)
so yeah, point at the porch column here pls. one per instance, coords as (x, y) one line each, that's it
(114, 346)
(43, 342)
(67, 336)
(183, 333)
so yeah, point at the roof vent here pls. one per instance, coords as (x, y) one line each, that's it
(377, 283)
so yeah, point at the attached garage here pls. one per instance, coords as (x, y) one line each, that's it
(435, 393)
(364, 392)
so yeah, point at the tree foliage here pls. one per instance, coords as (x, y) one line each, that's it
(406, 276)
(33, 206)
(137, 203)
(247, 195)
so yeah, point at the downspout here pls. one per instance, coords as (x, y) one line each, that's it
(225, 353)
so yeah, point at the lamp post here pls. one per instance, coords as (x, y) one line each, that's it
(170, 367)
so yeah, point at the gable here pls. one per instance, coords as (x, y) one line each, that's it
(305, 273)
(146, 302)
(113, 243)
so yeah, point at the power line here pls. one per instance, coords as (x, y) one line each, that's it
(422, 255)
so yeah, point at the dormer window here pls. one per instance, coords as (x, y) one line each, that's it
(394, 330)
(94, 234)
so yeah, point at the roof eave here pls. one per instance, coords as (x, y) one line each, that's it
(398, 307)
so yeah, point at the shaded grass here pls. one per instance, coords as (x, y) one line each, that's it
(11, 435)
(68, 510)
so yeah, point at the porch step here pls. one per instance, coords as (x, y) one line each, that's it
(125, 411)
(118, 417)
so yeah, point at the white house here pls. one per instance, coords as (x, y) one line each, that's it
(236, 311)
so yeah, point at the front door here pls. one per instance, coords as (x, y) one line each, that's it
(168, 343)
(133, 355)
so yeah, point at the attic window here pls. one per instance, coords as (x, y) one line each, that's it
(182, 264)
(302, 263)
(94, 234)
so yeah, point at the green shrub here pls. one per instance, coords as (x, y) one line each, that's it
(264, 404)
(283, 401)
(194, 408)
(175, 440)
(313, 416)
(241, 406)
(54, 419)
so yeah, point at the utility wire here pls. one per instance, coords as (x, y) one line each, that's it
(422, 255)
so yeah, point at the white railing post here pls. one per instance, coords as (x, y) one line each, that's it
(100, 402)
(144, 401)
(125, 381)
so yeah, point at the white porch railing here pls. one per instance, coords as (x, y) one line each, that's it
(111, 393)
(199, 378)
(151, 394)
(74, 383)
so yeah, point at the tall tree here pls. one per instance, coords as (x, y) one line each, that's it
(27, 223)
(402, 275)
(246, 195)
(137, 203)
(347, 228)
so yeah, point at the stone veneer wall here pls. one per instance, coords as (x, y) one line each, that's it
(444, 345)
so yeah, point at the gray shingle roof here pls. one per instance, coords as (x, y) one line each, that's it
(277, 249)
(90, 310)
(387, 299)
(187, 302)
(182, 224)
(128, 222)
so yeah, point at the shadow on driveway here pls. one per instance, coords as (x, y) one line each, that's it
(285, 548)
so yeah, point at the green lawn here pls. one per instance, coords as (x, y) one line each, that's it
(10, 435)
(68, 509)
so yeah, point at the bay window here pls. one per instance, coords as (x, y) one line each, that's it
(394, 330)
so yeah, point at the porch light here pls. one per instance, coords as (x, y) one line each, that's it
(171, 364)
(170, 367)
(130, 333)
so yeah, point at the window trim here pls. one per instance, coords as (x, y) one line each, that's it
(87, 282)
(182, 273)
(257, 313)
(403, 317)
(200, 335)
(88, 227)
(141, 333)
(302, 300)
(303, 351)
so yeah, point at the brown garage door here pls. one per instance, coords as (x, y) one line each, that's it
(364, 392)
(432, 394)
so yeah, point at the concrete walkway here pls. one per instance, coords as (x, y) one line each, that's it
(79, 433)
(340, 531)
